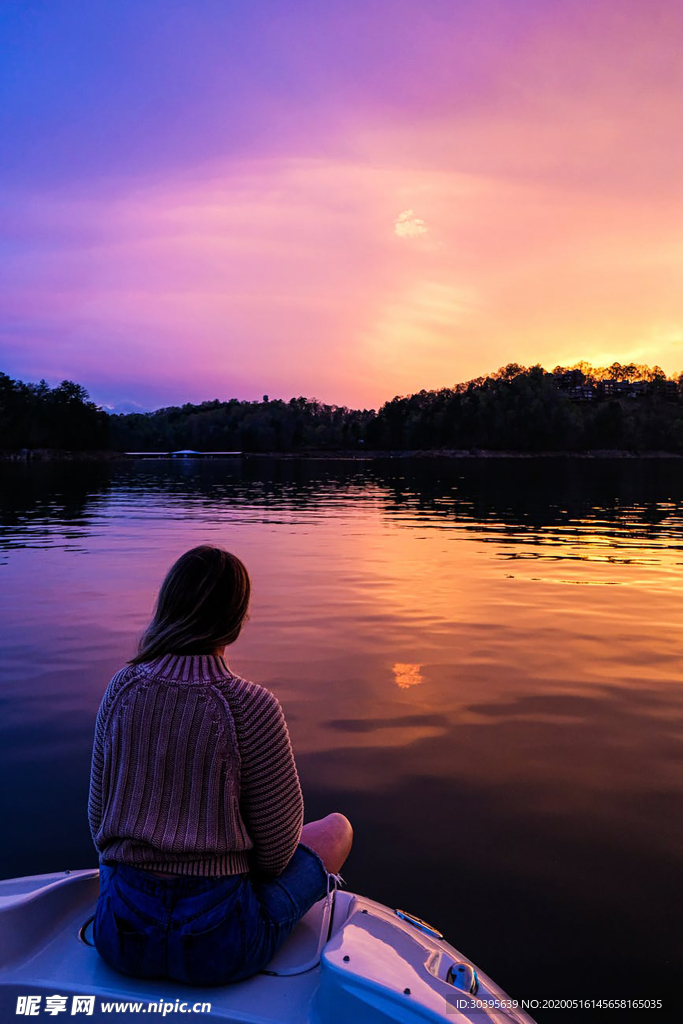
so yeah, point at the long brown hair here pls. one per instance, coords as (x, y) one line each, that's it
(202, 605)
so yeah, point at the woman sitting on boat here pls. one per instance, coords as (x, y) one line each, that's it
(195, 805)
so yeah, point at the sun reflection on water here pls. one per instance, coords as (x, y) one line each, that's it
(407, 675)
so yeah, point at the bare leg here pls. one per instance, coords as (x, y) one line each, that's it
(331, 838)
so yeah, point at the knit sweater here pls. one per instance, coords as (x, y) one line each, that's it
(193, 771)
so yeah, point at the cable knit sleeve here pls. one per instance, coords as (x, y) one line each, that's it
(97, 795)
(271, 802)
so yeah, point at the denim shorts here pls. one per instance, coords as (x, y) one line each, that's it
(202, 931)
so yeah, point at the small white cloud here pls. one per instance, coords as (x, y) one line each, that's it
(409, 226)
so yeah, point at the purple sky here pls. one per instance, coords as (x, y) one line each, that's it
(341, 200)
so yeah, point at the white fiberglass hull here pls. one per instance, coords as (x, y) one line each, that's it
(350, 959)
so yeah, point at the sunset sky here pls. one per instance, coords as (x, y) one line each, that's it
(345, 200)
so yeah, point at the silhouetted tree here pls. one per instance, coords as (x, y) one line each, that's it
(37, 416)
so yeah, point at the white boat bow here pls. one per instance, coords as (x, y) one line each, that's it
(350, 959)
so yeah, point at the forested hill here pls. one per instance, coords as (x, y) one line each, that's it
(264, 426)
(635, 408)
(38, 416)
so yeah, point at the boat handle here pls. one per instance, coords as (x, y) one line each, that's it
(417, 922)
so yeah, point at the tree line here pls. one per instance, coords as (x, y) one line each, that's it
(530, 409)
(38, 416)
(577, 408)
(235, 425)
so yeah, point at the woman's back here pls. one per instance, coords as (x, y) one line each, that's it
(192, 769)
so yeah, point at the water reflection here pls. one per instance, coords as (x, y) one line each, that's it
(480, 663)
(407, 675)
(620, 503)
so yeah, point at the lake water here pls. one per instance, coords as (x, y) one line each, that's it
(480, 663)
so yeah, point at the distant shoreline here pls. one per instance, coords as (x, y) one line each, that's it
(58, 455)
(455, 454)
